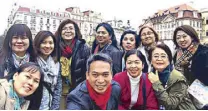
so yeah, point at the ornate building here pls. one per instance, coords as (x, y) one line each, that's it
(165, 21)
(37, 19)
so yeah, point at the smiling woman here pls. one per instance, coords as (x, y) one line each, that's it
(17, 48)
(20, 86)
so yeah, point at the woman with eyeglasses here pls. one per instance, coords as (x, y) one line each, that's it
(17, 49)
(170, 85)
(73, 54)
(149, 38)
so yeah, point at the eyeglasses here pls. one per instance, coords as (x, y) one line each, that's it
(160, 56)
(20, 37)
(148, 33)
(68, 28)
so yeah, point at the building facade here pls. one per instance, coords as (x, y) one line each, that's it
(204, 13)
(37, 19)
(165, 21)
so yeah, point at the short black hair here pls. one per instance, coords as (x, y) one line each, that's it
(137, 39)
(140, 56)
(99, 57)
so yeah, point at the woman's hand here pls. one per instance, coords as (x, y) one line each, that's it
(153, 77)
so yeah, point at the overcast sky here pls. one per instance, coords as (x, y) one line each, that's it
(133, 10)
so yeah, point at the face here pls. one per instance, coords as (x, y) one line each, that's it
(47, 46)
(147, 36)
(20, 45)
(99, 76)
(134, 65)
(25, 83)
(183, 40)
(159, 59)
(68, 32)
(102, 36)
(129, 42)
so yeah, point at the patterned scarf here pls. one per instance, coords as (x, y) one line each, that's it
(12, 94)
(20, 60)
(184, 57)
(50, 70)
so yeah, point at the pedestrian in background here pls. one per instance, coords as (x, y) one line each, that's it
(73, 54)
(170, 85)
(136, 89)
(17, 49)
(45, 46)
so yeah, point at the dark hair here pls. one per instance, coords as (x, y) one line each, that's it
(155, 33)
(140, 56)
(18, 30)
(33, 67)
(163, 47)
(39, 38)
(111, 33)
(99, 57)
(78, 34)
(188, 30)
(138, 41)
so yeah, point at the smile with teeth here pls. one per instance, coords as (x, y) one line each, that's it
(27, 89)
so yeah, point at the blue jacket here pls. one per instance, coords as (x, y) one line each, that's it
(79, 98)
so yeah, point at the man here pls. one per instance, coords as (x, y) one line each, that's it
(98, 91)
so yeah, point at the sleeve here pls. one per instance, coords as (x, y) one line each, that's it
(152, 102)
(172, 98)
(2, 97)
(73, 103)
(57, 94)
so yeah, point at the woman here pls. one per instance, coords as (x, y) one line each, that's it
(190, 57)
(149, 38)
(105, 40)
(73, 54)
(170, 86)
(21, 84)
(136, 89)
(45, 47)
(17, 49)
(129, 40)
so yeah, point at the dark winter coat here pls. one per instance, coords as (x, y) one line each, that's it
(79, 98)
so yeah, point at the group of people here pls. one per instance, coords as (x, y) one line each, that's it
(60, 71)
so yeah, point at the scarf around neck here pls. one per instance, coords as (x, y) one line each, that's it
(67, 49)
(101, 100)
(20, 60)
(183, 57)
(50, 70)
(18, 100)
(164, 75)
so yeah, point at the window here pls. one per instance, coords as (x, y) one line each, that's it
(195, 14)
(207, 20)
(193, 23)
(190, 23)
(180, 14)
(207, 33)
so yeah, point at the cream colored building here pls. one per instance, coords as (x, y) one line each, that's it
(204, 13)
(38, 19)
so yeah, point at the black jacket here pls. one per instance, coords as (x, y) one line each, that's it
(81, 53)
(117, 61)
(108, 49)
(79, 98)
(199, 65)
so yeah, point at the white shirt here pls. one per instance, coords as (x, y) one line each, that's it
(134, 82)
